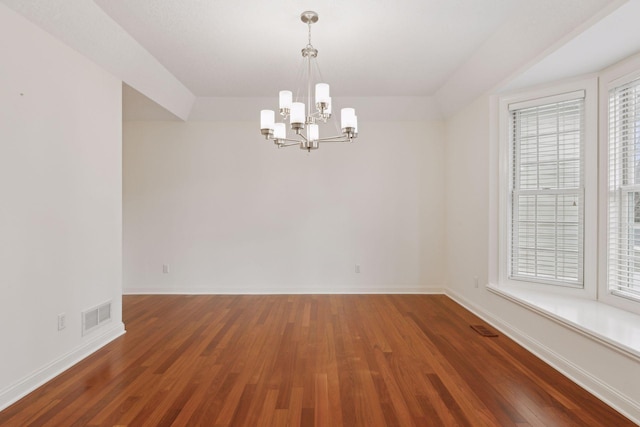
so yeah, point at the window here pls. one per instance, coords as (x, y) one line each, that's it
(564, 234)
(623, 272)
(566, 191)
(547, 190)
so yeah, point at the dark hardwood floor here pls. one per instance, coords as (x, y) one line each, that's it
(304, 360)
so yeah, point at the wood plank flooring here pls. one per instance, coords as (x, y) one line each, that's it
(308, 360)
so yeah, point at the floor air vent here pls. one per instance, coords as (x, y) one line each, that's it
(95, 317)
(482, 330)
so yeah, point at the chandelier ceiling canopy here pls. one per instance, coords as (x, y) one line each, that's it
(304, 115)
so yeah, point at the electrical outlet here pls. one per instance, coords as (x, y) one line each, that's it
(62, 321)
(475, 281)
(357, 268)
(165, 268)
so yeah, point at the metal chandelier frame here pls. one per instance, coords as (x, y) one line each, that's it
(303, 121)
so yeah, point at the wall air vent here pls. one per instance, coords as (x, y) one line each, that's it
(95, 317)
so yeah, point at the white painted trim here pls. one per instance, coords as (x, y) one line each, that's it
(612, 397)
(284, 291)
(551, 99)
(625, 350)
(18, 390)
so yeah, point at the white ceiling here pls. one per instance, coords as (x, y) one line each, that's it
(609, 40)
(179, 51)
(252, 47)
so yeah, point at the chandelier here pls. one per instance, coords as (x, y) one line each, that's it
(303, 120)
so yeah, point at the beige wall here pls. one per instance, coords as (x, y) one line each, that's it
(60, 213)
(471, 176)
(229, 212)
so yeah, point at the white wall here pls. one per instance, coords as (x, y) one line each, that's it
(85, 27)
(470, 174)
(60, 206)
(231, 213)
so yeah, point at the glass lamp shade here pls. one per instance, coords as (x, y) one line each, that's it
(297, 112)
(348, 118)
(322, 93)
(280, 131)
(267, 119)
(314, 132)
(286, 98)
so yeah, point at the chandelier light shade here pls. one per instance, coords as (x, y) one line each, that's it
(304, 113)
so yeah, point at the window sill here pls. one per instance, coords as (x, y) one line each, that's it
(616, 328)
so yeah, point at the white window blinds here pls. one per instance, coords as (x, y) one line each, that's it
(547, 190)
(624, 190)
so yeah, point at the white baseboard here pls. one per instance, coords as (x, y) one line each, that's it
(586, 380)
(17, 391)
(283, 291)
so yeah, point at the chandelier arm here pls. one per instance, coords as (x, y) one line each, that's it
(293, 141)
(290, 144)
(318, 115)
(333, 138)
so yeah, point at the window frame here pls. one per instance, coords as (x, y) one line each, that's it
(610, 78)
(521, 190)
(540, 96)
